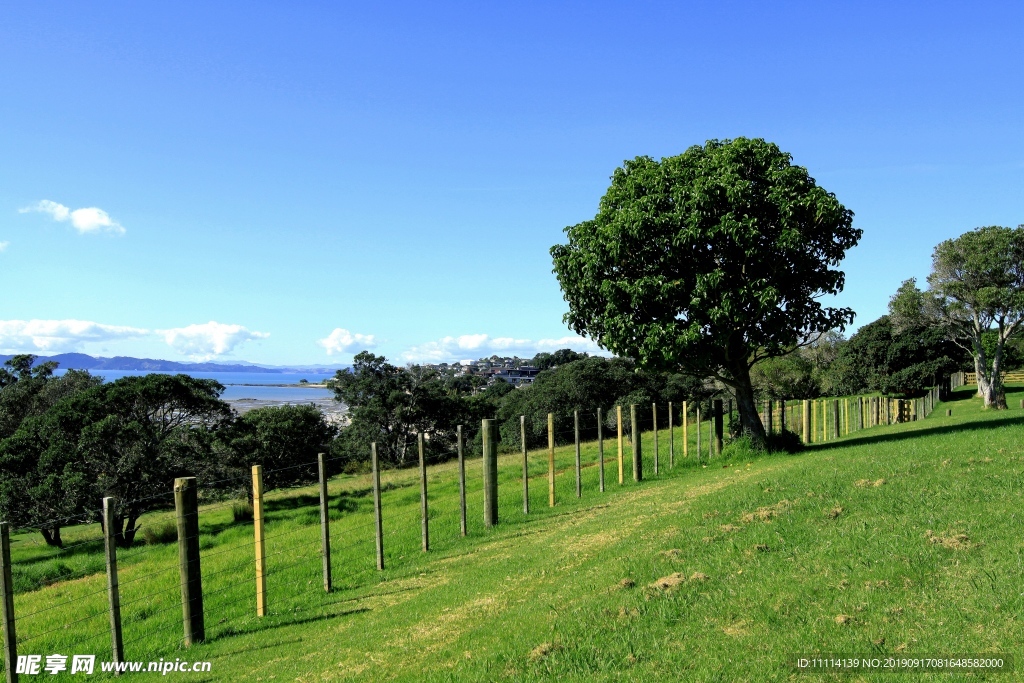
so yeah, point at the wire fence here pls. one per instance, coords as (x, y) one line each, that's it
(130, 602)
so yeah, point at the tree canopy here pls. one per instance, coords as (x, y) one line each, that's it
(708, 262)
(285, 440)
(127, 439)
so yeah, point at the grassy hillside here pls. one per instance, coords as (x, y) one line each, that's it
(901, 539)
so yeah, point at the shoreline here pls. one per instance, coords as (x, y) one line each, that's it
(334, 411)
(307, 385)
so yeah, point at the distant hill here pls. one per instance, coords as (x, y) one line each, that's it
(82, 361)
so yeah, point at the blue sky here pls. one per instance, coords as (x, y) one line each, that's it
(293, 182)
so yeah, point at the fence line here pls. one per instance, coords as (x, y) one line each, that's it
(972, 377)
(816, 421)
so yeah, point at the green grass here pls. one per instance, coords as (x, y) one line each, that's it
(900, 539)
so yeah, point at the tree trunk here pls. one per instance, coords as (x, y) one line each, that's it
(750, 421)
(990, 382)
(995, 397)
(980, 368)
(130, 529)
(52, 537)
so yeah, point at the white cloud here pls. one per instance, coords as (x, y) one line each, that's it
(209, 340)
(4, 245)
(448, 349)
(56, 336)
(341, 341)
(86, 220)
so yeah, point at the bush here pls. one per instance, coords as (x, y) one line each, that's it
(160, 532)
(241, 512)
(741, 447)
(784, 442)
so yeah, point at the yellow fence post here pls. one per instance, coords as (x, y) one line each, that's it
(686, 437)
(551, 460)
(618, 422)
(261, 550)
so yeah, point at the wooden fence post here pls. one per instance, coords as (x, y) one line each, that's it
(423, 494)
(768, 416)
(377, 507)
(7, 595)
(460, 440)
(489, 436)
(600, 451)
(551, 460)
(654, 422)
(684, 417)
(526, 471)
(186, 508)
(699, 454)
(806, 415)
(618, 422)
(325, 522)
(719, 427)
(261, 549)
(782, 415)
(634, 430)
(579, 471)
(671, 439)
(812, 436)
(837, 417)
(113, 589)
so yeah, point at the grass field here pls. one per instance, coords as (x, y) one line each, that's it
(895, 540)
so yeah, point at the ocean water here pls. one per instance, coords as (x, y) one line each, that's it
(258, 386)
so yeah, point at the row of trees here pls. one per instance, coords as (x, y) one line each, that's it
(968, 317)
(389, 404)
(68, 441)
(881, 356)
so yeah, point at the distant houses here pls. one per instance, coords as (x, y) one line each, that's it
(508, 369)
(514, 376)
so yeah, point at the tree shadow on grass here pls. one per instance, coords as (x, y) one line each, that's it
(305, 500)
(88, 547)
(280, 622)
(996, 423)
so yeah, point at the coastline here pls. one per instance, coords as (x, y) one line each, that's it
(300, 385)
(334, 411)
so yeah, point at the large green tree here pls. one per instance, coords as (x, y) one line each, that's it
(975, 289)
(128, 439)
(285, 440)
(894, 359)
(708, 262)
(389, 405)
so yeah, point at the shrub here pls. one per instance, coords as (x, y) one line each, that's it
(784, 442)
(741, 447)
(160, 532)
(241, 512)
